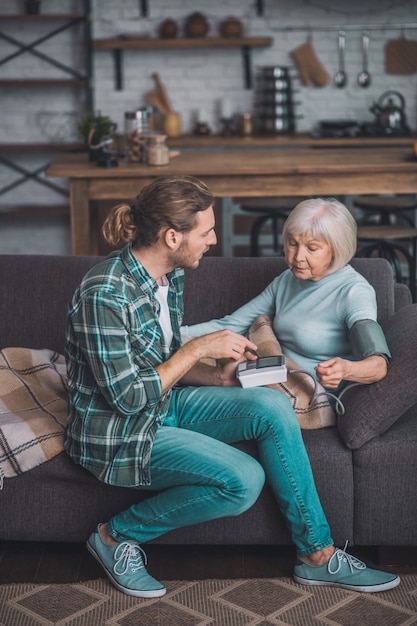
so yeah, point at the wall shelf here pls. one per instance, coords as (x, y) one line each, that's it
(72, 76)
(42, 82)
(117, 45)
(42, 16)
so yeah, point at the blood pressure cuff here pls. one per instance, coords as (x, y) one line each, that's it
(367, 338)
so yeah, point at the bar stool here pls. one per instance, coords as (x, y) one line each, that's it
(387, 208)
(275, 210)
(390, 242)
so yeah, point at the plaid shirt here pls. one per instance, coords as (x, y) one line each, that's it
(114, 342)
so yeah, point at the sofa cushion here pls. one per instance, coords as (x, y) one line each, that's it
(372, 409)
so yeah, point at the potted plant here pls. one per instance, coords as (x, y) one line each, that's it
(94, 128)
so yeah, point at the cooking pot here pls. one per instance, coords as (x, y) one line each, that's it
(390, 116)
(277, 124)
(270, 84)
(275, 110)
(275, 72)
(274, 97)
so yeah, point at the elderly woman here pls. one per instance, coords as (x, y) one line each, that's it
(324, 312)
(324, 315)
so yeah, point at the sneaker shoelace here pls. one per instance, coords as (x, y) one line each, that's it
(339, 556)
(128, 555)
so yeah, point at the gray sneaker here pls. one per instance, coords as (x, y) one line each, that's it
(124, 565)
(345, 570)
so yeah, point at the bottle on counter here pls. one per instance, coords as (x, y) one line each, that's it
(137, 129)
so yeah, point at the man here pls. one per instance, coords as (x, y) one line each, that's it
(146, 412)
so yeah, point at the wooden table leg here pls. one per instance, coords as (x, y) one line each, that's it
(80, 217)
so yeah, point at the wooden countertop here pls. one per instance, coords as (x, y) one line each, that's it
(291, 161)
(288, 171)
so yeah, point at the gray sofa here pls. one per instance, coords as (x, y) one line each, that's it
(368, 486)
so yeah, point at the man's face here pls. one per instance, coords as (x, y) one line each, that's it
(196, 242)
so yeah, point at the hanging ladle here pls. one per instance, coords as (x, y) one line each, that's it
(364, 78)
(340, 78)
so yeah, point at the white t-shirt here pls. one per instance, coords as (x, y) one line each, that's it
(164, 318)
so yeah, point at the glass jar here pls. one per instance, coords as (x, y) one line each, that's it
(158, 153)
(137, 129)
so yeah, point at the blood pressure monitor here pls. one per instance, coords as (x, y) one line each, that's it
(266, 370)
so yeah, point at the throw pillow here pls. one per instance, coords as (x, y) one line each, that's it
(299, 388)
(370, 410)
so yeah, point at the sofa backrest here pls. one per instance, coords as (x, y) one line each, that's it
(35, 291)
(219, 285)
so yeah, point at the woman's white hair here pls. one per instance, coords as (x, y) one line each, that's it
(328, 220)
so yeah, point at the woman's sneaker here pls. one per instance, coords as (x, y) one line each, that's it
(124, 566)
(345, 570)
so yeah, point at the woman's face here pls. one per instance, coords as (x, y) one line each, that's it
(308, 258)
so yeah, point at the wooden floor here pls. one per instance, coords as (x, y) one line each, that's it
(70, 563)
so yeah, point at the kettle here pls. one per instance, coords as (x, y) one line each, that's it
(390, 116)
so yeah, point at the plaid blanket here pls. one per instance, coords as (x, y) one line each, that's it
(33, 408)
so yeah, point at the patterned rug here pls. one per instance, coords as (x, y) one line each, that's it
(261, 602)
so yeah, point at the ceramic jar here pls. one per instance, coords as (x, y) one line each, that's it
(196, 25)
(168, 29)
(137, 129)
(231, 27)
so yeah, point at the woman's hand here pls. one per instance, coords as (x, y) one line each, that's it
(331, 372)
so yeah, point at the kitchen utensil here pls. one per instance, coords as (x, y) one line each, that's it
(364, 78)
(401, 56)
(390, 116)
(310, 69)
(336, 128)
(340, 78)
(172, 124)
(162, 93)
(337, 124)
(154, 100)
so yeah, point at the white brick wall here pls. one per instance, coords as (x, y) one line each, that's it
(199, 79)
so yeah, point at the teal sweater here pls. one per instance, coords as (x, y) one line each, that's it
(310, 318)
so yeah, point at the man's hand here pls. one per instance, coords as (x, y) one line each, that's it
(186, 364)
(224, 344)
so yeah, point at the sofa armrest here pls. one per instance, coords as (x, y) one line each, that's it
(373, 409)
(402, 296)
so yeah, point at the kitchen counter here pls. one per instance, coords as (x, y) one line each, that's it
(284, 141)
(294, 171)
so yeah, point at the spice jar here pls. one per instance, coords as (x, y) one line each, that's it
(245, 124)
(158, 153)
(137, 129)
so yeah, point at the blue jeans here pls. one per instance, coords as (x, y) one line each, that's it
(200, 477)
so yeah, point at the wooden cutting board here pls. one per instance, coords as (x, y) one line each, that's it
(401, 56)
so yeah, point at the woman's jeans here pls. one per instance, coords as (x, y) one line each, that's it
(199, 477)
